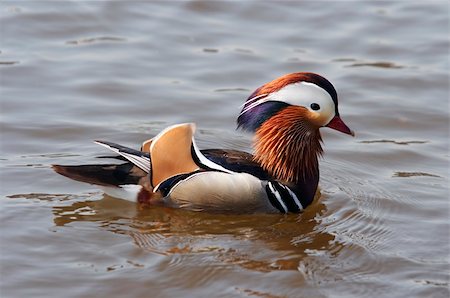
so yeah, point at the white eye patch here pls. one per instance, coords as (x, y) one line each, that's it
(304, 94)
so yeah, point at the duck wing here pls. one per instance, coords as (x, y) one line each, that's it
(236, 161)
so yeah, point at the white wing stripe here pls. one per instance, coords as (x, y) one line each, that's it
(203, 160)
(140, 161)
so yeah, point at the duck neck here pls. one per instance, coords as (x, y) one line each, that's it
(288, 147)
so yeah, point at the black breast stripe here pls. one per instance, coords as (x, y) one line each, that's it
(274, 200)
(287, 198)
(283, 198)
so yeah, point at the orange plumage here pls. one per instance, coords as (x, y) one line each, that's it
(287, 145)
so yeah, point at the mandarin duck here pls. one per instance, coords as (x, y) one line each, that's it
(281, 175)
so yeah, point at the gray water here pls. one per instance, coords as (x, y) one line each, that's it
(72, 72)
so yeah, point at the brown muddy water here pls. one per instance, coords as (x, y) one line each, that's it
(72, 72)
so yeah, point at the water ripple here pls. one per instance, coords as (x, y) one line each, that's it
(393, 142)
(414, 174)
(91, 40)
(376, 64)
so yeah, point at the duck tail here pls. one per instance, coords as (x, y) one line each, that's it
(102, 174)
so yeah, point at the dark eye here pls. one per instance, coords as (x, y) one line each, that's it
(315, 106)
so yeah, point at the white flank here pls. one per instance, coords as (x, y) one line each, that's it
(219, 191)
(156, 188)
(127, 192)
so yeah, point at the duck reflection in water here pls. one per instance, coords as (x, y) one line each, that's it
(277, 243)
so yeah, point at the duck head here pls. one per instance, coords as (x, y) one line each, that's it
(285, 115)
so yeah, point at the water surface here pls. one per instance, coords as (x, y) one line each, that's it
(72, 72)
